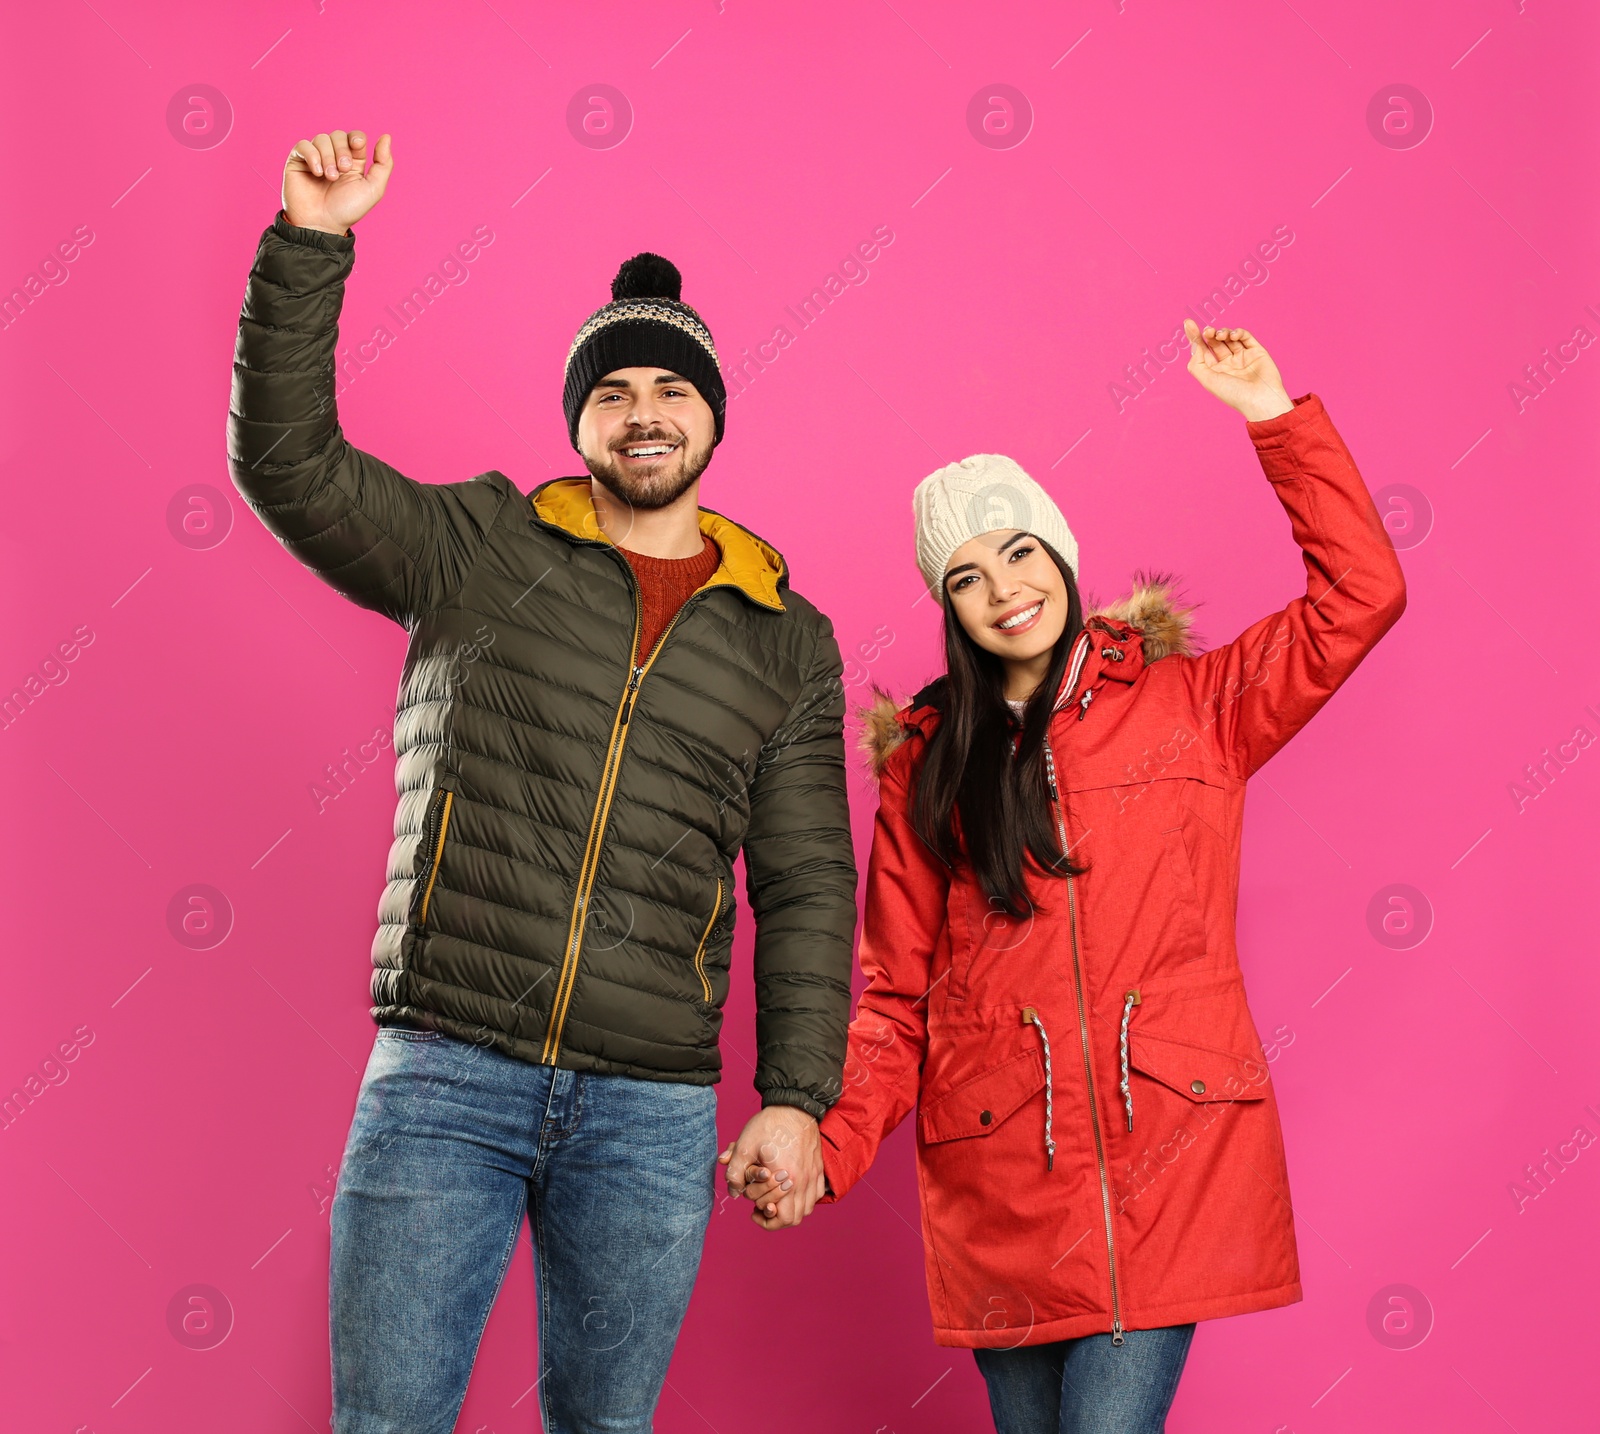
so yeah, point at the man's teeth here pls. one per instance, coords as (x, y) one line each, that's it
(1021, 617)
(651, 450)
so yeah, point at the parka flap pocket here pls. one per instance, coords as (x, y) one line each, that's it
(979, 1105)
(1197, 1072)
(1196, 1036)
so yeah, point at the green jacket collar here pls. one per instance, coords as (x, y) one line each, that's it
(749, 563)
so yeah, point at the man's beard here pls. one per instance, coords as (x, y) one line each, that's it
(658, 486)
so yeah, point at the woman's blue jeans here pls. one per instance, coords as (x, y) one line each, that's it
(451, 1144)
(1087, 1385)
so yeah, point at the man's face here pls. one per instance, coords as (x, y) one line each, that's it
(646, 434)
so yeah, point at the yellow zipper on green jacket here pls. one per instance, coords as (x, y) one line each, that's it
(597, 825)
(747, 564)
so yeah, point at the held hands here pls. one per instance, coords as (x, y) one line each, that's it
(1233, 366)
(777, 1162)
(324, 186)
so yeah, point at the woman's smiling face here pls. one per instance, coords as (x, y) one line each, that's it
(1008, 594)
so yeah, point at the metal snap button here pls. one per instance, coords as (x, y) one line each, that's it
(985, 1117)
(1198, 1087)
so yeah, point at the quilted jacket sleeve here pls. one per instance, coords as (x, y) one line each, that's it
(388, 542)
(906, 897)
(801, 881)
(1254, 694)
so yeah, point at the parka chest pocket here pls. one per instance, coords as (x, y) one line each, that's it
(980, 931)
(1195, 844)
(1111, 796)
(1187, 940)
(1161, 844)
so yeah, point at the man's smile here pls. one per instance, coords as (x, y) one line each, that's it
(643, 453)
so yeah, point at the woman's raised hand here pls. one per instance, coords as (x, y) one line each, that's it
(326, 184)
(1233, 366)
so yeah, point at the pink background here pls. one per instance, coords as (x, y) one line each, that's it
(192, 1139)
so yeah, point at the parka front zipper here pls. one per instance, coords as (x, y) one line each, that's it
(1088, 1066)
(590, 866)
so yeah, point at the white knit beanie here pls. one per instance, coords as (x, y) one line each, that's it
(982, 494)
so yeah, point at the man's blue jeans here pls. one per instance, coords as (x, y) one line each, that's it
(1087, 1385)
(450, 1145)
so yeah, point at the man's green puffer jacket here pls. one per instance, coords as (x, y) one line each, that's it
(561, 880)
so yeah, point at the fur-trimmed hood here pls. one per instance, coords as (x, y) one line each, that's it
(1148, 623)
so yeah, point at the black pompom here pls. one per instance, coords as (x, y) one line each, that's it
(647, 276)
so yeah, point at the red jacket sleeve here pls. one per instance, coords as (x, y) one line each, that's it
(901, 930)
(1254, 694)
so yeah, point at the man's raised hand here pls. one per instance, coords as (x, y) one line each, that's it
(326, 182)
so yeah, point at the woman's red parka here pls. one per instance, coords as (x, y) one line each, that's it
(1098, 1144)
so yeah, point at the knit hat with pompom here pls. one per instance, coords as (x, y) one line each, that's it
(645, 325)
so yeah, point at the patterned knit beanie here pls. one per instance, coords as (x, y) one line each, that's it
(985, 493)
(644, 326)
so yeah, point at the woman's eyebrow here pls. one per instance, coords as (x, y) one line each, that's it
(1010, 542)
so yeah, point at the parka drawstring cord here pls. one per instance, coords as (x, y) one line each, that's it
(1055, 791)
(1031, 1016)
(1129, 1001)
(1080, 654)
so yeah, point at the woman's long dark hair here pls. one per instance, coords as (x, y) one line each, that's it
(1002, 797)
